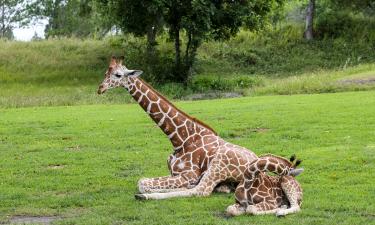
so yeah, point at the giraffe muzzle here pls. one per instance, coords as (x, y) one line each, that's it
(101, 89)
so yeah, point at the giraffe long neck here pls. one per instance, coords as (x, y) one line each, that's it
(270, 163)
(177, 125)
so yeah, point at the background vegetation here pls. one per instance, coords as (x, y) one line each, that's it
(273, 57)
(77, 161)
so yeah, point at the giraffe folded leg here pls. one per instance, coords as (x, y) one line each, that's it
(261, 208)
(283, 212)
(223, 188)
(163, 184)
(235, 210)
(206, 185)
(293, 192)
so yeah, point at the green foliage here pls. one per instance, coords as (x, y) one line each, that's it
(198, 20)
(345, 25)
(71, 18)
(68, 71)
(12, 14)
(217, 83)
(82, 163)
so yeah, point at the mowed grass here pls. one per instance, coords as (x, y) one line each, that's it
(82, 163)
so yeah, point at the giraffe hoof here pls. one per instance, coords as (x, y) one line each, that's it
(278, 214)
(140, 197)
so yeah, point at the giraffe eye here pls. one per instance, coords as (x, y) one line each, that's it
(117, 75)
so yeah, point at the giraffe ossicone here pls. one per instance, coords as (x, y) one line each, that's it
(201, 160)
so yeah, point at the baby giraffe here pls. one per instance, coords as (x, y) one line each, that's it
(260, 193)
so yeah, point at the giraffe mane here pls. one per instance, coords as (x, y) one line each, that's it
(286, 161)
(183, 113)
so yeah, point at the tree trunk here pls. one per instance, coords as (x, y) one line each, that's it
(2, 19)
(177, 47)
(151, 41)
(310, 11)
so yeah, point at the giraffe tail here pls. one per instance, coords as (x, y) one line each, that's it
(295, 163)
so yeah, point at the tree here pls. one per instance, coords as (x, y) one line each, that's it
(335, 7)
(193, 21)
(67, 17)
(11, 15)
(310, 11)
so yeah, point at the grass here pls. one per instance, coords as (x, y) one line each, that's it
(82, 163)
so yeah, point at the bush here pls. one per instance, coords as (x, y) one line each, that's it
(210, 83)
(342, 24)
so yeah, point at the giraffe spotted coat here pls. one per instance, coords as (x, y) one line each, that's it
(200, 161)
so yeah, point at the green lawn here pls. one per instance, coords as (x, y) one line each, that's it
(82, 163)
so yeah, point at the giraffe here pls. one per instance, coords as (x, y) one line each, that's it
(260, 193)
(201, 159)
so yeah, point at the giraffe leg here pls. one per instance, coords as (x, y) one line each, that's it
(293, 192)
(235, 210)
(210, 179)
(223, 188)
(261, 208)
(162, 184)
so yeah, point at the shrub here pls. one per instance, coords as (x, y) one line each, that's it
(210, 83)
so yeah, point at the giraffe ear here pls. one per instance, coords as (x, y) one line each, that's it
(135, 73)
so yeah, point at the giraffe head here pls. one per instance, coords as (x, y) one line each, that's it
(117, 75)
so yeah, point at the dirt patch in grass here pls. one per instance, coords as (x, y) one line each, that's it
(56, 166)
(213, 95)
(33, 219)
(73, 148)
(361, 81)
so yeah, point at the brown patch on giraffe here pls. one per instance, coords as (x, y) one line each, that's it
(257, 199)
(172, 113)
(157, 117)
(173, 106)
(240, 193)
(183, 132)
(132, 89)
(209, 139)
(231, 168)
(167, 126)
(205, 132)
(211, 146)
(197, 140)
(154, 108)
(178, 121)
(197, 156)
(144, 103)
(190, 127)
(247, 184)
(137, 95)
(176, 141)
(271, 168)
(152, 96)
(164, 107)
(262, 188)
(256, 183)
(143, 88)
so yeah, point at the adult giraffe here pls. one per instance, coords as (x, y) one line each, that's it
(201, 159)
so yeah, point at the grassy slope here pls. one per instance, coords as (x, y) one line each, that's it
(83, 162)
(67, 71)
